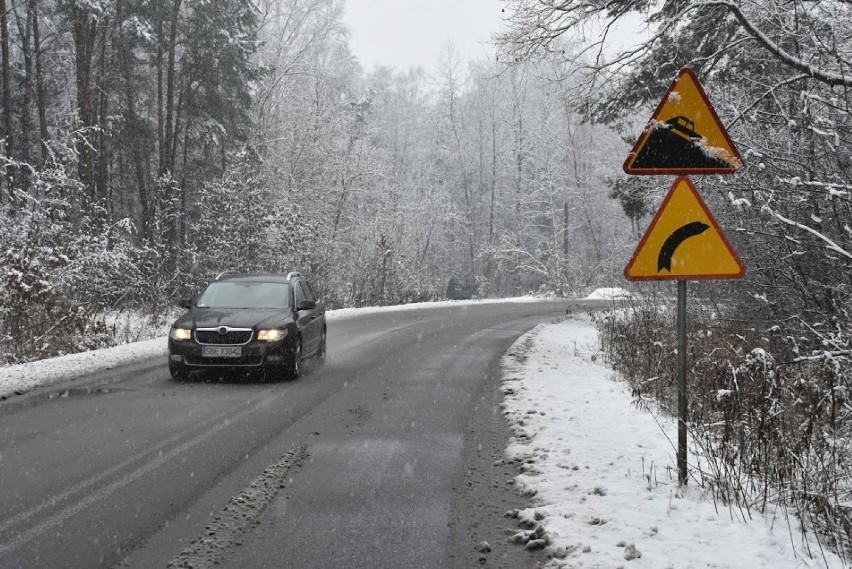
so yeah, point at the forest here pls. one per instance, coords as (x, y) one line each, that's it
(150, 145)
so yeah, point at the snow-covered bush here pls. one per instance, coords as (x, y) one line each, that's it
(38, 319)
(61, 270)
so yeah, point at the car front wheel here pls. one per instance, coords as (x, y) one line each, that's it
(320, 355)
(294, 366)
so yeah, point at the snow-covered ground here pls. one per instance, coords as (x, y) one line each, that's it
(601, 472)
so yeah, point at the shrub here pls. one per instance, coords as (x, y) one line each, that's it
(768, 409)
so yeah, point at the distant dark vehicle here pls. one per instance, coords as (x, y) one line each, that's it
(459, 289)
(250, 322)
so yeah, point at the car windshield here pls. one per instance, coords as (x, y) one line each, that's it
(245, 295)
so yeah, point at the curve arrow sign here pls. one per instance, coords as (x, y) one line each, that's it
(683, 242)
(664, 261)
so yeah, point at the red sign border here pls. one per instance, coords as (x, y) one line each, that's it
(640, 142)
(653, 224)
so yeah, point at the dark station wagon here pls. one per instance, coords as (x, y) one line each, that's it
(459, 289)
(248, 322)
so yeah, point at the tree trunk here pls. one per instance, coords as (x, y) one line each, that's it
(102, 185)
(41, 103)
(493, 175)
(180, 227)
(161, 123)
(134, 129)
(170, 132)
(9, 142)
(25, 31)
(84, 30)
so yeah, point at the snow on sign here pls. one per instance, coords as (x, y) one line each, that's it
(684, 135)
(683, 242)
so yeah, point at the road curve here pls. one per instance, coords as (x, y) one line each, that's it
(369, 461)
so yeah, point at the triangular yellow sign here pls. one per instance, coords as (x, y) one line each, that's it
(684, 135)
(683, 242)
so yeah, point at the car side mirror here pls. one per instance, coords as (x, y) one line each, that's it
(185, 303)
(306, 305)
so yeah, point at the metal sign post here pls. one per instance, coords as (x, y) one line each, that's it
(682, 410)
(683, 241)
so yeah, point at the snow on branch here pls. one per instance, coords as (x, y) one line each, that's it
(831, 245)
(834, 190)
(827, 77)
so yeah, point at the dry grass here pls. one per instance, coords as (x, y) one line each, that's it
(770, 416)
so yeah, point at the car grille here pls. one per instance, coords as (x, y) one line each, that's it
(246, 361)
(231, 336)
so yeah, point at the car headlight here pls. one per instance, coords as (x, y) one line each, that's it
(272, 335)
(180, 334)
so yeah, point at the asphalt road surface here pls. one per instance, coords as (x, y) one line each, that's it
(390, 455)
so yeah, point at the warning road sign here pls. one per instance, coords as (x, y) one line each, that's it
(684, 135)
(684, 242)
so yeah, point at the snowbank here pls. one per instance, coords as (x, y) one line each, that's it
(610, 294)
(603, 474)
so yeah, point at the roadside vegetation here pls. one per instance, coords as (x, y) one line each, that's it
(769, 415)
(769, 355)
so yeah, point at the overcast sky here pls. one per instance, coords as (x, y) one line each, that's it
(404, 33)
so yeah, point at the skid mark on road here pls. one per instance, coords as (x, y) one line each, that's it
(240, 515)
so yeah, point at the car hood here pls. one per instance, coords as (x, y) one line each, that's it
(252, 318)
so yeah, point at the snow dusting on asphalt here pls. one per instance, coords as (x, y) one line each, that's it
(242, 513)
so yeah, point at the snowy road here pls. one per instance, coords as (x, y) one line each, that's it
(359, 462)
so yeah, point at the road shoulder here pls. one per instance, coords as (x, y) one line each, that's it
(480, 520)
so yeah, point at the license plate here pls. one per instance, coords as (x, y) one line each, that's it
(221, 351)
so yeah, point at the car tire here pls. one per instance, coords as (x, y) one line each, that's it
(320, 355)
(178, 372)
(294, 367)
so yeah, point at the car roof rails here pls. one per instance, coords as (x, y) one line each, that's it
(231, 273)
(227, 273)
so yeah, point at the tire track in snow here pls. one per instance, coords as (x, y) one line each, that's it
(239, 515)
